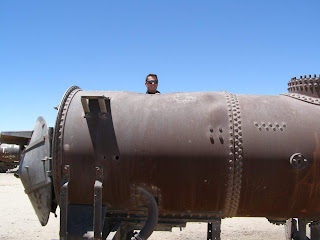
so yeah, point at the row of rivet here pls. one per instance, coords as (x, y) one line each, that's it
(58, 138)
(305, 77)
(235, 156)
(303, 98)
(270, 126)
(165, 214)
(304, 84)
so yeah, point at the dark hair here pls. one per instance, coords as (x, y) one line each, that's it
(152, 75)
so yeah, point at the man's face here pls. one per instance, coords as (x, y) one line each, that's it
(152, 84)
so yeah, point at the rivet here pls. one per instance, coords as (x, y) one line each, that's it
(211, 139)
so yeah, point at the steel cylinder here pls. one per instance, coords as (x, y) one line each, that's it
(9, 156)
(212, 154)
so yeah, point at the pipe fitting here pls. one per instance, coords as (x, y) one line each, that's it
(152, 221)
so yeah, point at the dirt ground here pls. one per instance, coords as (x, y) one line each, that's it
(18, 221)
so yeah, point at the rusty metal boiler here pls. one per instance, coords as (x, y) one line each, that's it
(197, 156)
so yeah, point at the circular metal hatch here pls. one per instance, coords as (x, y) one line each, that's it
(34, 171)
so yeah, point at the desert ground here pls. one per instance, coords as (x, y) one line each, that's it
(18, 221)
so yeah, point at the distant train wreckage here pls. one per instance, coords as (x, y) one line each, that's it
(10, 154)
(119, 162)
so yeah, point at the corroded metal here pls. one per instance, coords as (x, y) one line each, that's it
(58, 131)
(309, 86)
(20, 138)
(214, 230)
(236, 157)
(10, 156)
(201, 156)
(35, 171)
(301, 97)
(228, 155)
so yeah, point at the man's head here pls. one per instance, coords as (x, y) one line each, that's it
(151, 83)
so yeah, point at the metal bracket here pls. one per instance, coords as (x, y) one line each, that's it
(64, 203)
(98, 204)
(214, 230)
(35, 144)
(102, 105)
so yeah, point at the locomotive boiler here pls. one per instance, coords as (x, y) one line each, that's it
(116, 162)
(9, 157)
(11, 149)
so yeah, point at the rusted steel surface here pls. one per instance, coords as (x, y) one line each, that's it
(199, 156)
(16, 137)
(309, 86)
(10, 156)
(35, 171)
(206, 155)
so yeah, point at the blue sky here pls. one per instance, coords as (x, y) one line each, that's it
(244, 47)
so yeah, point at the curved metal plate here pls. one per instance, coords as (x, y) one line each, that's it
(33, 171)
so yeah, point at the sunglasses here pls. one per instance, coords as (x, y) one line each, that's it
(152, 81)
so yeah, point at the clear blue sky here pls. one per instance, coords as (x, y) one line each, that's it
(244, 47)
